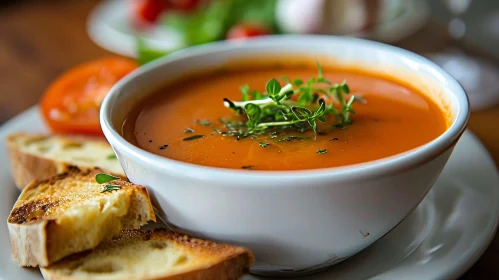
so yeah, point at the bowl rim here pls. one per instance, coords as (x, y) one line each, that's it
(388, 165)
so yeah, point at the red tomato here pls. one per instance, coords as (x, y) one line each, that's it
(148, 11)
(244, 31)
(185, 5)
(71, 103)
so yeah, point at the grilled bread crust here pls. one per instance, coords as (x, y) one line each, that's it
(37, 156)
(161, 254)
(69, 213)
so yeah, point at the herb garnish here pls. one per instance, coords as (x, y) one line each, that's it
(204, 123)
(111, 157)
(291, 138)
(106, 178)
(297, 106)
(110, 188)
(193, 137)
(264, 145)
(188, 130)
(322, 151)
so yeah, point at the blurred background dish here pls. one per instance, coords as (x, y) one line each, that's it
(477, 76)
(168, 25)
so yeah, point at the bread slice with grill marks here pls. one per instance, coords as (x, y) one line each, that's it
(161, 254)
(38, 156)
(70, 213)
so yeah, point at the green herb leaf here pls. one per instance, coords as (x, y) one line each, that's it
(264, 145)
(313, 124)
(285, 79)
(305, 97)
(322, 107)
(112, 156)
(345, 87)
(253, 112)
(321, 119)
(311, 82)
(322, 151)
(245, 90)
(257, 95)
(188, 130)
(319, 69)
(273, 87)
(297, 82)
(104, 178)
(193, 137)
(205, 123)
(146, 54)
(301, 113)
(110, 188)
(320, 75)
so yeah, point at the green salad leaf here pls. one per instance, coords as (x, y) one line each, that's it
(147, 54)
(211, 23)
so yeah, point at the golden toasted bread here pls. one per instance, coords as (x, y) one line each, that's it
(36, 156)
(161, 254)
(70, 213)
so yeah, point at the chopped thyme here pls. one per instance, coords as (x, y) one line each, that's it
(204, 122)
(150, 141)
(111, 157)
(291, 138)
(264, 145)
(322, 151)
(110, 188)
(188, 130)
(193, 137)
(335, 139)
(163, 147)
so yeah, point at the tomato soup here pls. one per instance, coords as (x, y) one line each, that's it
(186, 121)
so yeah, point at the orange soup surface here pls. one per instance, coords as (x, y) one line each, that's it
(394, 119)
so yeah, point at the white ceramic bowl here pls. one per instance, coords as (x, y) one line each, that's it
(295, 222)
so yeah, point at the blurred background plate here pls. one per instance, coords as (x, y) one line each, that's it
(109, 26)
(409, 18)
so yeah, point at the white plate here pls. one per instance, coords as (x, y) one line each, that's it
(441, 239)
(109, 27)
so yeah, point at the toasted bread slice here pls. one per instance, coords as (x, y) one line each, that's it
(37, 157)
(70, 213)
(161, 254)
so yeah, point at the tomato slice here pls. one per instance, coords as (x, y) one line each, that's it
(244, 31)
(185, 5)
(148, 10)
(71, 103)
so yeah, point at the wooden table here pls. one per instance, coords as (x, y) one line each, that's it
(40, 39)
